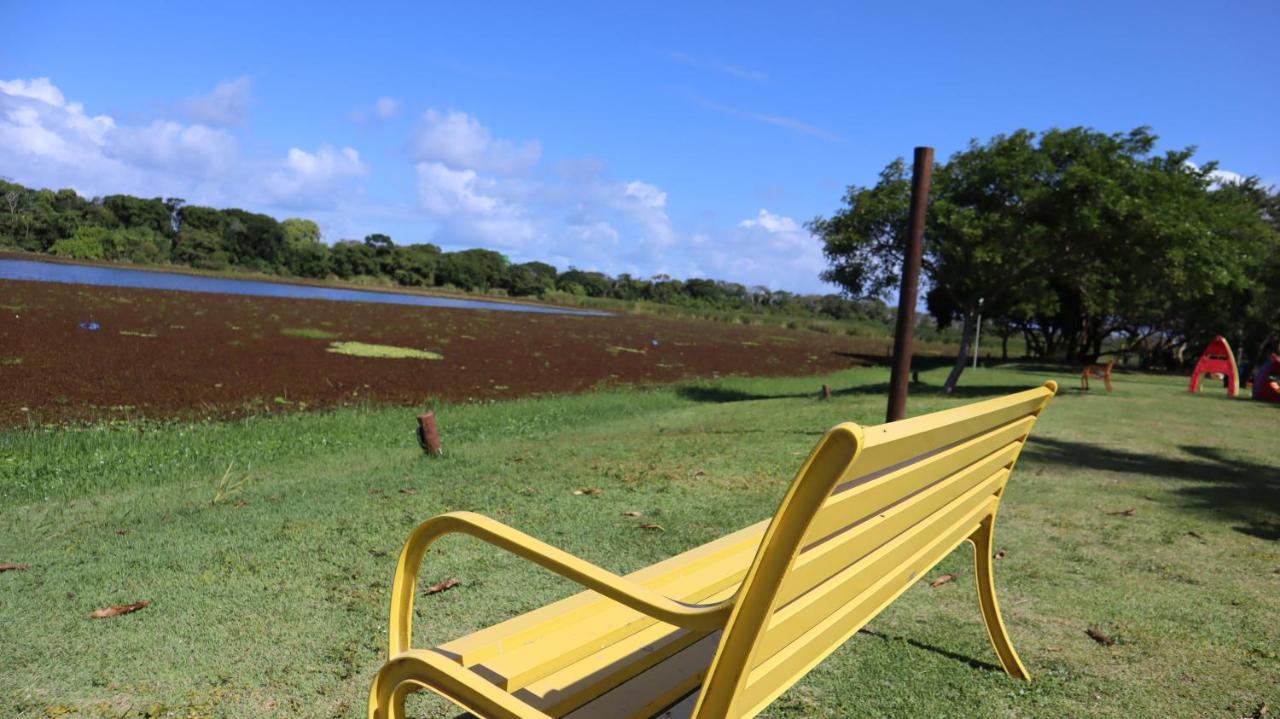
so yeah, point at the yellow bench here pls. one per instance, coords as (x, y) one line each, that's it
(723, 629)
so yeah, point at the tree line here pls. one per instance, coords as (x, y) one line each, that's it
(1080, 242)
(124, 228)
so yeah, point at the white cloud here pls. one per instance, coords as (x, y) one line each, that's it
(445, 192)
(306, 179)
(194, 150)
(769, 222)
(1224, 177)
(459, 142)
(768, 249)
(38, 88)
(46, 141)
(226, 105)
(645, 194)
(384, 108)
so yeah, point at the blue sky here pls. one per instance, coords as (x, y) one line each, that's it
(681, 140)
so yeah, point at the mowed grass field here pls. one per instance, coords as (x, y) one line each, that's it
(266, 547)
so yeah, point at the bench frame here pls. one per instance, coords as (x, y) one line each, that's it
(743, 617)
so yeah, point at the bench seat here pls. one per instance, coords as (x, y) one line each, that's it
(588, 656)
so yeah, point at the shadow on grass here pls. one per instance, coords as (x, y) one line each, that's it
(1241, 491)
(975, 663)
(919, 363)
(703, 393)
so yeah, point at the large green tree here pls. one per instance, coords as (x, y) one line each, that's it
(1074, 235)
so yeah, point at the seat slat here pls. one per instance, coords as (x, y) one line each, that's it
(820, 563)
(778, 672)
(656, 689)
(486, 643)
(896, 442)
(550, 651)
(800, 615)
(598, 673)
(852, 502)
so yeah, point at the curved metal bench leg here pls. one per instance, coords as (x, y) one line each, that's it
(982, 544)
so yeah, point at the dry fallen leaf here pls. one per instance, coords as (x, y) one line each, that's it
(1195, 534)
(1053, 649)
(658, 527)
(700, 473)
(122, 532)
(23, 568)
(942, 580)
(440, 586)
(118, 609)
(408, 490)
(589, 491)
(1001, 554)
(1124, 512)
(239, 503)
(633, 514)
(1099, 637)
(1261, 711)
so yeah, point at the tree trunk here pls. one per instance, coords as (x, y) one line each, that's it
(966, 335)
(1004, 343)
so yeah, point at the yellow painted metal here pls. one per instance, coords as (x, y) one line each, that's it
(725, 552)
(846, 453)
(870, 511)
(780, 671)
(667, 682)
(821, 472)
(982, 545)
(423, 668)
(617, 588)
(536, 659)
(866, 495)
(789, 622)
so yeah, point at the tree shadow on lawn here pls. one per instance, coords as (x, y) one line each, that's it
(1225, 486)
(703, 393)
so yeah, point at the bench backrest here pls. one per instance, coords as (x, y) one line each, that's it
(870, 511)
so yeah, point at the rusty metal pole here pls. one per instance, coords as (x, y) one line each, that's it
(921, 174)
(429, 434)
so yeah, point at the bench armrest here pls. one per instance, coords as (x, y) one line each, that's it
(620, 589)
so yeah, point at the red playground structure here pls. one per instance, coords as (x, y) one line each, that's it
(1265, 386)
(1217, 357)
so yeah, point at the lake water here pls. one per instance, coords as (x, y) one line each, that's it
(35, 271)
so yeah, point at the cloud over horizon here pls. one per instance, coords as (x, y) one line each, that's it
(471, 188)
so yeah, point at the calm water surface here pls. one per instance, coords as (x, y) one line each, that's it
(35, 271)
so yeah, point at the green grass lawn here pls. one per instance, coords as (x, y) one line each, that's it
(273, 600)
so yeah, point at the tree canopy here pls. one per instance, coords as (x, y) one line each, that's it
(1074, 238)
(122, 228)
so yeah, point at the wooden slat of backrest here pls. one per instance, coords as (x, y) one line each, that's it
(867, 495)
(817, 564)
(898, 442)
(774, 675)
(799, 616)
(483, 645)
